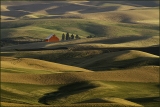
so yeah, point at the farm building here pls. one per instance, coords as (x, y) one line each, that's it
(52, 38)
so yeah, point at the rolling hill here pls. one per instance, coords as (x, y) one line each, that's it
(114, 18)
(34, 64)
(115, 63)
(90, 43)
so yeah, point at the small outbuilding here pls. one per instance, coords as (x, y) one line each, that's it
(52, 38)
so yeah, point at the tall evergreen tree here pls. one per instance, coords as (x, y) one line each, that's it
(67, 36)
(63, 36)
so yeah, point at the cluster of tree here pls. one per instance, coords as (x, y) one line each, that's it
(69, 37)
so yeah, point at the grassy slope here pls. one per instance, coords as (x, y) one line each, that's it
(120, 88)
(91, 43)
(108, 23)
(39, 66)
(101, 90)
(82, 27)
(18, 87)
(20, 93)
(93, 60)
(141, 74)
(120, 60)
(80, 92)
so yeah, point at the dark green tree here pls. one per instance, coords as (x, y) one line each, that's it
(72, 36)
(77, 37)
(67, 36)
(63, 37)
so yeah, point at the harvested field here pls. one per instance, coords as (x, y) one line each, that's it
(152, 50)
(94, 60)
(34, 64)
(142, 74)
(112, 101)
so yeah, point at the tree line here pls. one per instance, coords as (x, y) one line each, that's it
(67, 36)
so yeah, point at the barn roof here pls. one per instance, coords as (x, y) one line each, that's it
(49, 36)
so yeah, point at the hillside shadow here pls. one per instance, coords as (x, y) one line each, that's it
(144, 99)
(61, 7)
(14, 13)
(60, 10)
(20, 40)
(76, 58)
(142, 3)
(99, 9)
(36, 7)
(102, 65)
(8, 25)
(102, 61)
(127, 2)
(158, 86)
(80, 8)
(66, 90)
(7, 33)
(123, 39)
(95, 29)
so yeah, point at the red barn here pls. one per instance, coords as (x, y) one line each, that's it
(52, 38)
